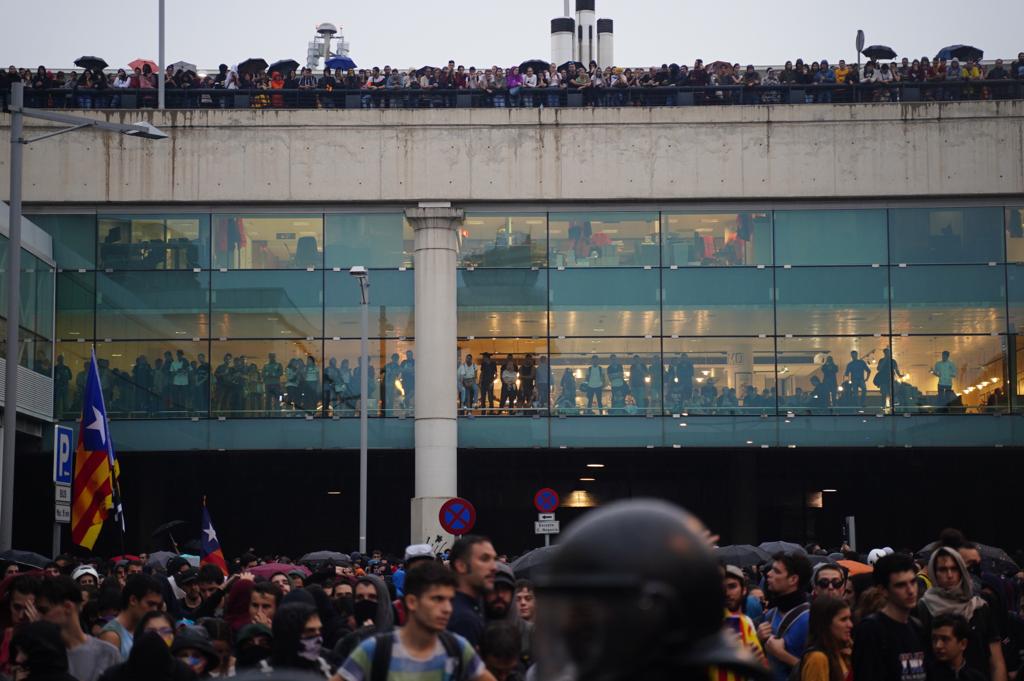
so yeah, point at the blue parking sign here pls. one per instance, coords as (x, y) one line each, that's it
(62, 455)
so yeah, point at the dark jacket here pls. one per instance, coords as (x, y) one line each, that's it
(150, 659)
(42, 645)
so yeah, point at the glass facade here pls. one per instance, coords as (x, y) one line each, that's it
(603, 328)
(36, 328)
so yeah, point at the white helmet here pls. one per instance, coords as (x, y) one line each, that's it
(85, 570)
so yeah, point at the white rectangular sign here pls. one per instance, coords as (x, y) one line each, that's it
(63, 494)
(63, 513)
(545, 516)
(546, 527)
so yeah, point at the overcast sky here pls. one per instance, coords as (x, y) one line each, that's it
(406, 33)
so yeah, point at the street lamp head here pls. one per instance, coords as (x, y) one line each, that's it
(358, 271)
(145, 130)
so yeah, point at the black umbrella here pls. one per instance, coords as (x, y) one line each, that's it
(993, 558)
(525, 565)
(566, 65)
(423, 69)
(742, 555)
(158, 559)
(965, 52)
(91, 63)
(879, 52)
(283, 66)
(252, 65)
(324, 556)
(773, 547)
(818, 560)
(537, 64)
(26, 558)
(168, 529)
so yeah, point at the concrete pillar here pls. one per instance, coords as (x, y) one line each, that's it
(436, 475)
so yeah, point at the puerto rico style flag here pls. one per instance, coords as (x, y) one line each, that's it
(212, 555)
(94, 493)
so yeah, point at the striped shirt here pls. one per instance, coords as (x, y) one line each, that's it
(404, 667)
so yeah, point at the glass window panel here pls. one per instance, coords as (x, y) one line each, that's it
(76, 300)
(718, 302)
(830, 237)
(971, 378)
(487, 240)
(391, 305)
(391, 381)
(267, 304)
(34, 351)
(1015, 234)
(717, 239)
(69, 382)
(603, 239)
(496, 396)
(719, 376)
(823, 375)
(950, 299)
(832, 300)
(369, 239)
(946, 235)
(605, 377)
(154, 242)
(37, 295)
(1015, 295)
(152, 379)
(604, 303)
(266, 378)
(268, 242)
(153, 305)
(509, 303)
(1017, 386)
(74, 239)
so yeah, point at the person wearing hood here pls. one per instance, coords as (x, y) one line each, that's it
(298, 640)
(499, 606)
(192, 645)
(953, 594)
(373, 613)
(38, 653)
(253, 644)
(150, 659)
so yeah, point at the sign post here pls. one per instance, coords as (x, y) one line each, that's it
(546, 502)
(457, 516)
(63, 461)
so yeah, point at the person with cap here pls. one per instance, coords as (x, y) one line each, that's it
(953, 594)
(86, 575)
(192, 601)
(499, 606)
(734, 584)
(192, 645)
(414, 554)
(474, 562)
(60, 602)
(653, 612)
(38, 653)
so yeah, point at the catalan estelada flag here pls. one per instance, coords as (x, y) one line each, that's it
(211, 554)
(96, 468)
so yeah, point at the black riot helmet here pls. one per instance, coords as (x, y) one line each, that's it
(633, 591)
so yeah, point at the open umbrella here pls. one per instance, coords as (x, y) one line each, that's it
(158, 559)
(168, 529)
(91, 63)
(993, 558)
(965, 52)
(252, 65)
(856, 568)
(340, 61)
(566, 65)
(817, 559)
(184, 66)
(324, 556)
(716, 66)
(773, 547)
(423, 69)
(537, 64)
(525, 565)
(139, 63)
(283, 66)
(270, 569)
(742, 555)
(26, 558)
(879, 52)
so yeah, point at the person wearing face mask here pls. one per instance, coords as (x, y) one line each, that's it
(372, 611)
(252, 646)
(298, 641)
(192, 645)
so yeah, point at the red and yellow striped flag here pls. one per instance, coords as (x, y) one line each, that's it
(95, 466)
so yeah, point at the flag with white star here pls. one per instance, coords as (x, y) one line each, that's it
(211, 553)
(96, 468)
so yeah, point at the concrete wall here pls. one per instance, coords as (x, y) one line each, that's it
(820, 151)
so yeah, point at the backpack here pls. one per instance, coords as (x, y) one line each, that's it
(381, 664)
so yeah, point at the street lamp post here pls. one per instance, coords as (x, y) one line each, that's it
(18, 143)
(360, 273)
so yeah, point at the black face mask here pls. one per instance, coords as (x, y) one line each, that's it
(343, 605)
(364, 610)
(250, 656)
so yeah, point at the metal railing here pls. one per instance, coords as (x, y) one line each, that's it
(416, 98)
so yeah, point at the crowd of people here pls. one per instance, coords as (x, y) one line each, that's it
(531, 84)
(176, 384)
(949, 612)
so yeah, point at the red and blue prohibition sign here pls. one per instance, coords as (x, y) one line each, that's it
(457, 516)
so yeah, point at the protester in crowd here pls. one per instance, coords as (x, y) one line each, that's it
(60, 602)
(784, 630)
(38, 653)
(253, 644)
(526, 600)
(734, 584)
(950, 636)
(828, 579)
(372, 611)
(222, 640)
(829, 641)
(192, 645)
(501, 651)
(141, 595)
(422, 649)
(474, 562)
(150, 659)
(298, 641)
(890, 644)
